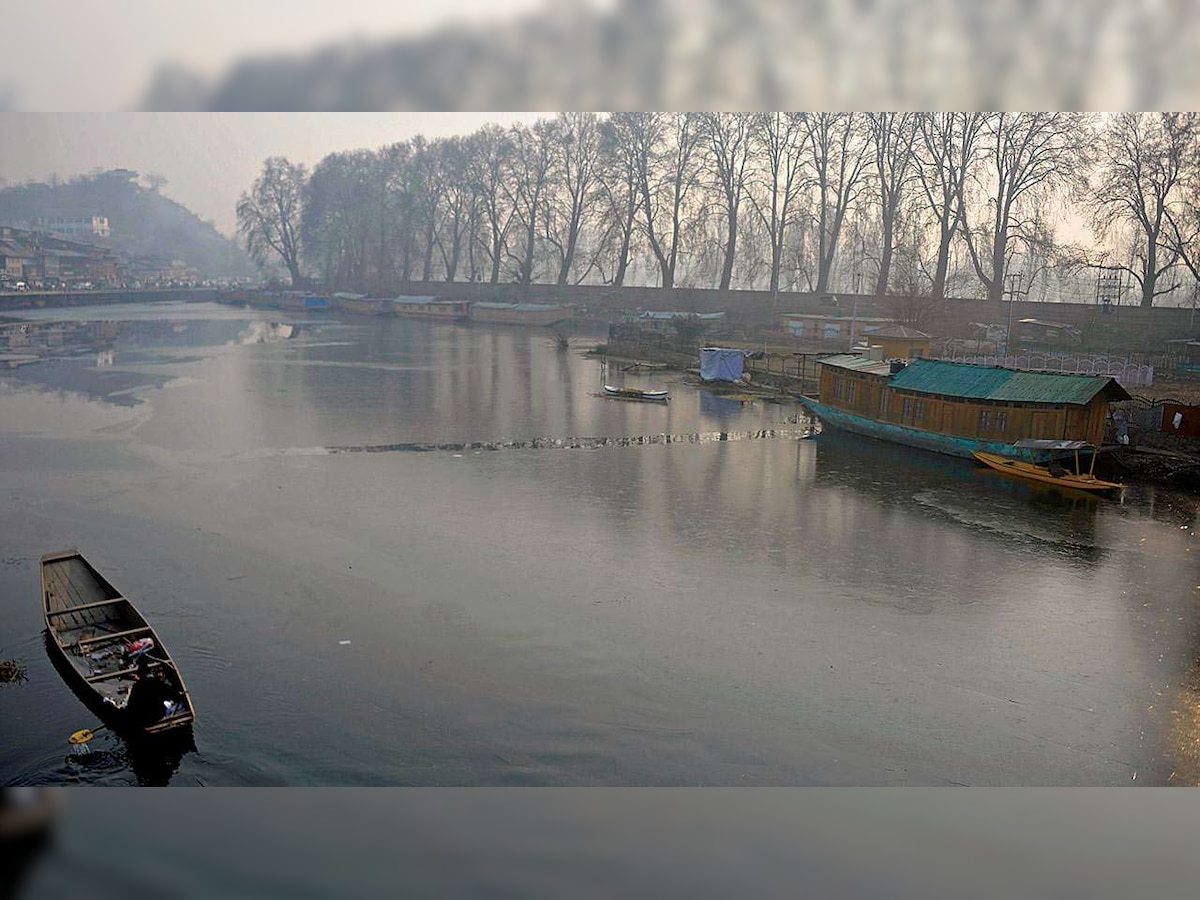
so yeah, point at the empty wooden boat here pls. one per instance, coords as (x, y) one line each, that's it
(633, 394)
(1061, 468)
(117, 659)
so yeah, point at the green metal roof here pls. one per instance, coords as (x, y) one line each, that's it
(934, 376)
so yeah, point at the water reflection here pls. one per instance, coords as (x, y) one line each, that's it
(775, 610)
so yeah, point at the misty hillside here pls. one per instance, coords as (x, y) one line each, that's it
(143, 221)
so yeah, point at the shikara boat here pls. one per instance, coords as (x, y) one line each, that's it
(1062, 466)
(632, 394)
(118, 661)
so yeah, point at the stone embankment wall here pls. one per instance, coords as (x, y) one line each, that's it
(52, 299)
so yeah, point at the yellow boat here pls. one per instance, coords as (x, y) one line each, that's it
(1053, 472)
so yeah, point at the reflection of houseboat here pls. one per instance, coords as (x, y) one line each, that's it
(957, 408)
(431, 308)
(521, 313)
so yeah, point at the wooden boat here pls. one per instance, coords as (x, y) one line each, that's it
(102, 638)
(1053, 472)
(632, 394)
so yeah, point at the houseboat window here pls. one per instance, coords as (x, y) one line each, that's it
(850, 391)
(919, 411)
(1001, 421)
(906, 412)
(985, 421)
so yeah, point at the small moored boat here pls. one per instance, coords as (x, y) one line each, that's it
(1054, 470)
(116, 657)
(632, 394)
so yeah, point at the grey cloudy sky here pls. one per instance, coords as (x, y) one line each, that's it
(67, 55)
(207, 158)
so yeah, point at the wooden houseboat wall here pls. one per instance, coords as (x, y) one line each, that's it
(431, 308)
(521, 313)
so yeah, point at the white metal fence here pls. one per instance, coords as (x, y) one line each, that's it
(1129, 374)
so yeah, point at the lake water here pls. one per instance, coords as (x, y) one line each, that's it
(764, 609)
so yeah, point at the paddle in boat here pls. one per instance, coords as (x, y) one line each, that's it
(118, 662)
(1062, 466)
(632, 394)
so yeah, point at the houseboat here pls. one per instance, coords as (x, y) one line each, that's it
(361, 304)
(431, 308)
(958, 408)
(301, 302)
(521, 313)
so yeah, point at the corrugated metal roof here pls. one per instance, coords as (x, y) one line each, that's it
(897, 330)
(521, 307)
(932, 376)
(857, 363)
(668, 316)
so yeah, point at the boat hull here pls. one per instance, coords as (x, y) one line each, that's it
(1016, 468)
(88, 621)
(630, 394)
(913, 437)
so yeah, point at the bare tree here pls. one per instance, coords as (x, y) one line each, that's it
(1027, 156)
(664, 151)
(460, 199)
(528, 186)
(1144, 160)
(948, 148)
(837, 155)
(491, 148)
(575, 152)
(893, 140)
(778, 182)
(728, 140)
(619, 184)
(268, 214)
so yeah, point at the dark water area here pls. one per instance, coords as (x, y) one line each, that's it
(592, 604)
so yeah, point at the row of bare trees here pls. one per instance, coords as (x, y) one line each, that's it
(908, 203)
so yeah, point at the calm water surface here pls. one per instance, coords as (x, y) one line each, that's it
(762, 610)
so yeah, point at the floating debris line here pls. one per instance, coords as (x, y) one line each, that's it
(582, 443)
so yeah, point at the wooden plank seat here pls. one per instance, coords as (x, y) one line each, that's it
(83, 606)
(184, 716)
(87, 642)
(105, 676)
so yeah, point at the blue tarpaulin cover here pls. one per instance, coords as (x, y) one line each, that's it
(719, 364)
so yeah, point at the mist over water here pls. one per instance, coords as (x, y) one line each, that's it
(777, 610)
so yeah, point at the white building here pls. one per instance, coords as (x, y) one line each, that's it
(75, 226)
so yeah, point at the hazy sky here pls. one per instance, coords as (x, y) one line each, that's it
(207, 158)
(68, 55)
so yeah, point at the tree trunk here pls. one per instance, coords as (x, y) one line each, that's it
(293, 268)
(564, 270)
(885, 257)
(623, 252)
(938, 289)
(730, 249)
(496, 247)
(1151, 275)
